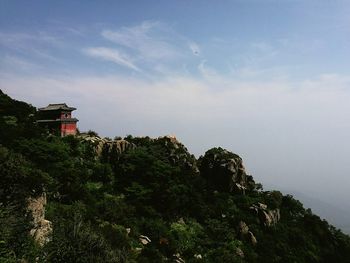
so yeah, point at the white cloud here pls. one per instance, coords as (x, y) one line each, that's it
(210, 74)
(150, 40)
(113, 55)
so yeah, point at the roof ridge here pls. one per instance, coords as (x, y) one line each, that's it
(58, 104)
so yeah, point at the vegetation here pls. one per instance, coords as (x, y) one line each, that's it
(153, 202)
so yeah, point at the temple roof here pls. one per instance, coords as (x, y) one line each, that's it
(60, 120)
(58, 106)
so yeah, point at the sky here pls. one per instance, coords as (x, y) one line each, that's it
(266, 79)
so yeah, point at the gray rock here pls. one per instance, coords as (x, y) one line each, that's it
(144, 240)
(42, 228)
(224, 171)
(252, 238)
(267, 217)
(239, 252)
(243, 228)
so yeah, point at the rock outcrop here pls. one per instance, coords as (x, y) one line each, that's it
(42, 228)
(239, 252)
(224, 171)
(266, 216)
(106, 149)
(178, 153)
(111, 150)
(244, 232)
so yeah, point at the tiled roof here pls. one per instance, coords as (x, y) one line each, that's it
(58, 106)
(60, 120)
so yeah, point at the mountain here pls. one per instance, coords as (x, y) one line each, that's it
(85, 198)
(337, 216)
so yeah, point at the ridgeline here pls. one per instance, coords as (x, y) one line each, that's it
(89, 199)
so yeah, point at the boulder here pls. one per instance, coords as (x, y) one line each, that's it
(244, 232)
(224, 171)
(268, 217)
(252, 238)
(144, 240)
(243, 228)
(42, 228)
(177, 258)
(239, 252)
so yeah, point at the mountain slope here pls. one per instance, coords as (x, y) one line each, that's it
(143, 200)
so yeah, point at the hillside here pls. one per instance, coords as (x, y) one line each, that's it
(89, 199)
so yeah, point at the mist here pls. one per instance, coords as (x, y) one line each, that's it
(292, 136)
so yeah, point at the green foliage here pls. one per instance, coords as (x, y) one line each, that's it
(186, 236)
(17, 119)
(19, 176)
(15, 243)
(100, 205)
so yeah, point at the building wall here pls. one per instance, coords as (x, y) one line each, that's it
(68, 129)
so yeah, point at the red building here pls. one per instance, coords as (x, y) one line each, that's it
(57, 118)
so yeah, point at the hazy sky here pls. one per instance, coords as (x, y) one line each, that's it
(268, 80)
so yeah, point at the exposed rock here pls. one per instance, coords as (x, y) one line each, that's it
(239, 252)
(138, 249)
(262, 206)
(178, 153)
(267, 217)
(181, 221)
(198, 256)
(106, 148)
(252, 238)
(144, 240)
(244, 232)
(178, 259)
(243, 228)
(271, 217)
(111, 150)
(42, 228)
(224, 171)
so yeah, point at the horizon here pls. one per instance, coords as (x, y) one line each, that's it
(264, 79)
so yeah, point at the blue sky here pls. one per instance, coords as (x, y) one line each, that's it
(297, 39)
(266, 79)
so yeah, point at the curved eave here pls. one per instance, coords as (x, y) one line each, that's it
(59, 120)
(58, 109)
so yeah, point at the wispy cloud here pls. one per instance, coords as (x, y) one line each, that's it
(148, 40)
(150, 46)
(113, 55)
(13, 62)
(36, 48)
(26, 40)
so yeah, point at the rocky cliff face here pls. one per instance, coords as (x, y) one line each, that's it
(106, 148)
(178, 153)
(224, 171)
(42, 228)
(268, 217)
(111, 150)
